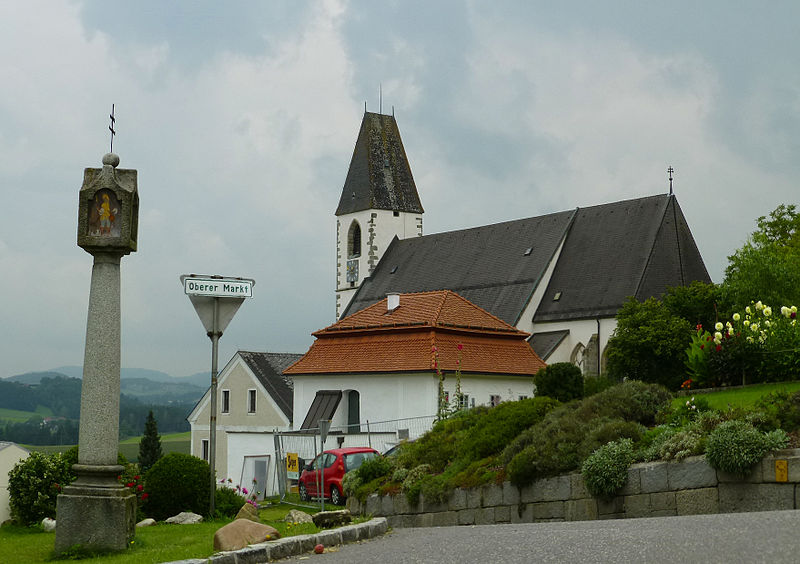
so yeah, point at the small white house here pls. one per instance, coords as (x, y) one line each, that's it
(383, 363)
(10, 455)
(253, 400)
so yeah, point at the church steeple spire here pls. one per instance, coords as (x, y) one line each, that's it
(379, 202)
(379, 176)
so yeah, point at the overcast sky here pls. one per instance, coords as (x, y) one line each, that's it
(241, 119)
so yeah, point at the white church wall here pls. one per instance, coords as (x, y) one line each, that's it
(580, 332)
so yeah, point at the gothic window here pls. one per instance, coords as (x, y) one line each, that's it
(576, 357)
(354, 240)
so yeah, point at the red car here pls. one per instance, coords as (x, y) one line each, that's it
(337, 462)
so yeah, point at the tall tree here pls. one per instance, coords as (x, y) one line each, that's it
(150, 444)
(765, 267)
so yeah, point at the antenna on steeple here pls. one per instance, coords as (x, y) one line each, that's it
(392, 110)
(670, 170)
(380, 98)
(365, 106)
(111, 128)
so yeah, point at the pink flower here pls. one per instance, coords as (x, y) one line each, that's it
(460, 346)
(139, 488)
(244, 491)
(145, 495)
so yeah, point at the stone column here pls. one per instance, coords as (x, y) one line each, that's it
(96, 512)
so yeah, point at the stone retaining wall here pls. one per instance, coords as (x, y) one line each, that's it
(653, 489)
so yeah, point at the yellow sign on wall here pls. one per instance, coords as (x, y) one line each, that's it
(781, 471)
(292, 466)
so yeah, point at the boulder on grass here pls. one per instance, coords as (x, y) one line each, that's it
(185, 518)
(149, 522)
(325, 519)
(297, 516)
(242, 532)
(248, 511)
(49, 524)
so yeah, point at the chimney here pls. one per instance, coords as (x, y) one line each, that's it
(392, 301)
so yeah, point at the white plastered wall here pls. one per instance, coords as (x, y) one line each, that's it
(9, 456)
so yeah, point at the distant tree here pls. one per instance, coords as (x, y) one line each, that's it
(150, 444)
(765, 267)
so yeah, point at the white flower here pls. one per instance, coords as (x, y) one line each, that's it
(767, 311)
(718, 326)
(730, 331)
(749, 339)
(759, 305)
(785, 311)
(747, 323)
(718, 337)
(692, 398)
(754, 327)
(767, 323)
(687, 403)
(748, 310)
(694, 407)
(736, 317)
(793, 309)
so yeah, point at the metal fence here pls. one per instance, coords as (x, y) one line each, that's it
(306, 444)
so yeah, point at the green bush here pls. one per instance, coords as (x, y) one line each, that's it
(412, 485)
(594, 384)
(34, 485)
(562, 381)
(71, 457)
(374, 468)
(350, 483)
(607, 430)
(736, 446)
(783, 407)
(605, 471)
(177, 482)
(227, 502)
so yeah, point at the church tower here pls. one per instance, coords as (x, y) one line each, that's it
(379, 202)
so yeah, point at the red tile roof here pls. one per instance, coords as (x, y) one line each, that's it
(426, 327)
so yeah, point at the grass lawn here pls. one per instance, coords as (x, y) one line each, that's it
(15, 416)
(739, 397)
(159, 543)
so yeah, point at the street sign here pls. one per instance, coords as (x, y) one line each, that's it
(292, 466)
(217, 287)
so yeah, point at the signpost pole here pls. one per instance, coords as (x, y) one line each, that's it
(212, 437)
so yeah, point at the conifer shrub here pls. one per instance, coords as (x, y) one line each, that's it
(177, 482)
(566, 435)
(374, 468)
(562, 381)
(34, 485)
(150, 444)
(736, 446)
(605, 471)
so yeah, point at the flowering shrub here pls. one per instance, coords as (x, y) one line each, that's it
(132, 479)
(34, 485)
(754, 346)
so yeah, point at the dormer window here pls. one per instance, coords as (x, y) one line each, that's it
(354, 240)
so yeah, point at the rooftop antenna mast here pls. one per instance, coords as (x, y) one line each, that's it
(670, 170)
(111, 128)
(380, 98)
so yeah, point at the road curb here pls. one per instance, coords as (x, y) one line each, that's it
(292, 546)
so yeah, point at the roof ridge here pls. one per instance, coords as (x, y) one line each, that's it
(653, 240)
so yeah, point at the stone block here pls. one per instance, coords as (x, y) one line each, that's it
(396, 521)
(663, 501)
(754, 476)
(510, 494)
(523, 513)
(701, 501)
(253, 554)
(350, 533)
(401, 504)
(466, 517)
(376, 527)
(372, 505)
(327, 519)
(423, 520)
(491, 495)
(653, 477)
(580, 509)
(577, 487)
(219, 558)
(792, 458)
(458, 500)
(331, 537)
(738, 498)
(353, 505)
(431, 506)
(615, 506)
(387, 505)
(502, 514)
(473, 498)
(305, 543)
(637, 505)
(633, 485)
(547, 489)
(283, 548)
(444, 519)
(484, 516)
(95, 517)
(692, 473)
(547, 510)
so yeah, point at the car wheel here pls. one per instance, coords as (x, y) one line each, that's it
(302, 491)
(336, 496)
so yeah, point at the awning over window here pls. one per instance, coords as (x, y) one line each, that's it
(323, 407)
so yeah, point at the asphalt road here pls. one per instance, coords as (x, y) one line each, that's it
(770, 536)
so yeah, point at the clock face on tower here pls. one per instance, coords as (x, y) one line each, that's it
(352, 270)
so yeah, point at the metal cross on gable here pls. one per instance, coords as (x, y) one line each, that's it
(111, 128)
(670, 170)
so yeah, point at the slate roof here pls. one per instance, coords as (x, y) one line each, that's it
(379, 176)
(613, 251)
(425, 330)
(268, 368)
(634, 247)
(545, 342)
(486, 265)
